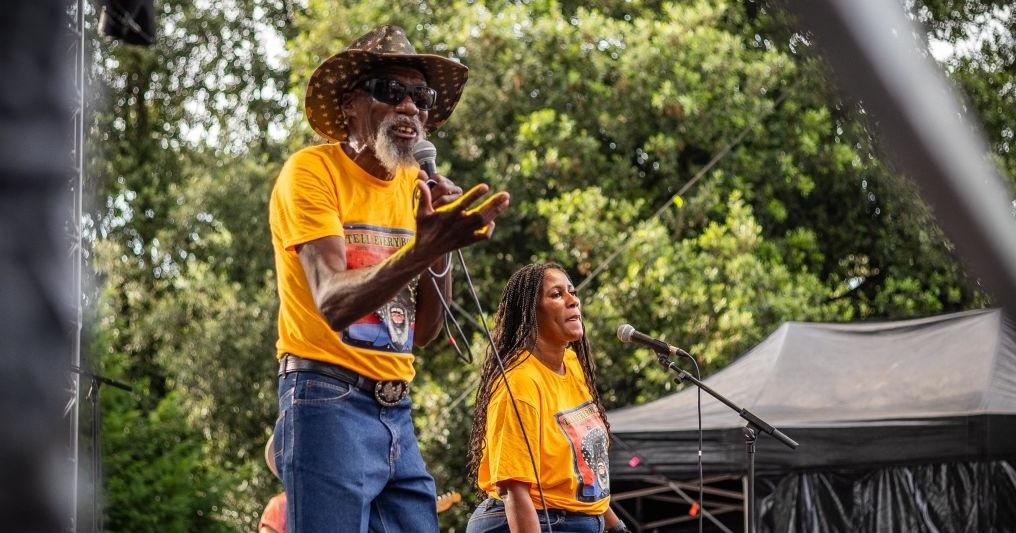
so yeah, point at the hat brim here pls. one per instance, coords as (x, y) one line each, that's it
(335, 76)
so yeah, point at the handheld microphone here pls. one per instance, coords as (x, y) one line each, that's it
(426, 155)
(627, 333)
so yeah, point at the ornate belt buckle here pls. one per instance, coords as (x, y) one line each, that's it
(389, 393)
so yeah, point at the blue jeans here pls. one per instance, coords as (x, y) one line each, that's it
(490, 517)
(347, 463)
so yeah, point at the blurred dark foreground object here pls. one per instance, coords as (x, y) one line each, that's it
(873, 49)
(131, 21)
(37, 313)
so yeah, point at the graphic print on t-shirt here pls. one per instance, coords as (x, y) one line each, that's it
(588, 438)
(390, 328)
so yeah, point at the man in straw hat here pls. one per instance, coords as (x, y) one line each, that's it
(360, 236)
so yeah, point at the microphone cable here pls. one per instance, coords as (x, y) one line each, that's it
(501, 368)
(701, 477)
(426, 154)
(650, 465)
(449, 316)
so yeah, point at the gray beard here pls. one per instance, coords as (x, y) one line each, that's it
(387, 151)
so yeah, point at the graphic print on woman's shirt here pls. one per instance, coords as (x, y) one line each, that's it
(588, 438)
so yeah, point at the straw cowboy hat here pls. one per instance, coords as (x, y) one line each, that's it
(386, 45)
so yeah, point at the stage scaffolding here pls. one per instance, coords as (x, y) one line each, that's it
(680, 496)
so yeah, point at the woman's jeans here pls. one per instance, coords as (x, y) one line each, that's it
(490, 517)
(348, 463)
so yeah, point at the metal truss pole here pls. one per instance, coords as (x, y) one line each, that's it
(79, 154)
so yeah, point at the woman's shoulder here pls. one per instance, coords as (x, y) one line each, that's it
(524, 378)
(525, 369)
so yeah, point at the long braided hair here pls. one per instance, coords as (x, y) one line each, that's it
(515, 331)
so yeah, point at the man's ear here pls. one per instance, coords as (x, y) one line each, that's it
(348, 105)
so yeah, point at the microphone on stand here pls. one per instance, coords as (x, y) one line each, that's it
(628, 333)
(425, 154)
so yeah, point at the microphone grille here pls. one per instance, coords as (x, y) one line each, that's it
(424, 150)
(624, 332)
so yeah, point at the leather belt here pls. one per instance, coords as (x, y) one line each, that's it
(550, 510)
(386, 393)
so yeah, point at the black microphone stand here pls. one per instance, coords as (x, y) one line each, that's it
(97, 381)
(754, 425)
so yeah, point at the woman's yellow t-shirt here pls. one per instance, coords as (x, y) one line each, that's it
(321, 192)
(565, 432)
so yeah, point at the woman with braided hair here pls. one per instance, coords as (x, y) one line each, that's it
(549, 413)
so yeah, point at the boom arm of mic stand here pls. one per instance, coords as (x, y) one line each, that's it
(752, 419)
(101, 379)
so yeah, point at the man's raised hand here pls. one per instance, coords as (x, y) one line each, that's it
(456, 224)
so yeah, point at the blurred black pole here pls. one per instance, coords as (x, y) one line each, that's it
(871, 45)
(37, 301)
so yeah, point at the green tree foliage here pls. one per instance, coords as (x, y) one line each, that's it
(982, 63)
(594, 118)
(158, 480)
(722, 288)
(183, 163)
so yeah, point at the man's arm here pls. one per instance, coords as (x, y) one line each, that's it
(518, 507)
(343, 295)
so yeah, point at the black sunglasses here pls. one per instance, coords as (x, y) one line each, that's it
(393, 92)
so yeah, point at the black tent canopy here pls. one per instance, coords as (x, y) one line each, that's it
(855, 396)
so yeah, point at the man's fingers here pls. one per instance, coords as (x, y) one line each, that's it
(454, 192)
(485, 232)
(423, 193)
(467, 199)
(491, 207)
(445, 193)
(468, 224)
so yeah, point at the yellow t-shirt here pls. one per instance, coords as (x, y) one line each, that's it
(319, 193)
(565, 432)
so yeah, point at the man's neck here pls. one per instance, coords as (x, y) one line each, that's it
(363, 155)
